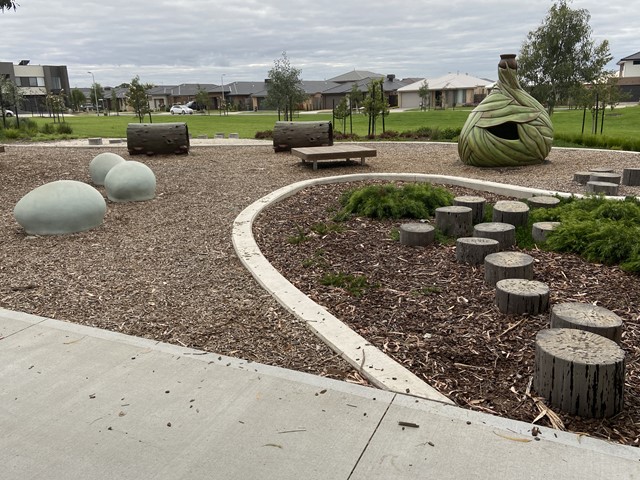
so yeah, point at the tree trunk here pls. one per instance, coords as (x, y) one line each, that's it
(157, 138)
(504, 233)
(580, 372)
(476, 204)
(288, 135)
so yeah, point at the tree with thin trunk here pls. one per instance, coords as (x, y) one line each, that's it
(202, 98)
(560, 54)
(284, 88)
(77, 99)
(137, 98)
(355, 97)
(423, 93)
(375, 104)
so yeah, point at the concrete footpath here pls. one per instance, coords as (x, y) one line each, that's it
(79, 402)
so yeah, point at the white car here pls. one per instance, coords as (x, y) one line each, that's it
(8, 113)
(181, 110)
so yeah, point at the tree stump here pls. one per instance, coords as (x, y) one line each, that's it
(580, 372)
(631, 176)
(417, 234)
(605, 177)
(539, 230)
(454, 221)
(504, 233)
(513, 212)
(95, 141)
(543, 201)
(503, 265)
(581, 177)
(518, 296)
(472, 250)
(585, 316)
(154, 138)
(288, 135)
(476, 204)
(607, 188)
(602, 170)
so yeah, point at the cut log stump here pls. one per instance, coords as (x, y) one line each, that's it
(473, 250)
(543, 201)
(579, 372)
(288, 135)
(585, 316)
(504, 233)
(157, 138)
(417, 234)
(581, 177)
(518, 296)
(503, 265)
(605, 177)
(602, 170)
(454, 221)
(606, 188)
(509, 211)
(540, 230)
(631, 176)
(476, 204)
(95, 141)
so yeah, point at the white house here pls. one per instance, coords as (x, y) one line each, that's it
(447, 91)
(629, 80)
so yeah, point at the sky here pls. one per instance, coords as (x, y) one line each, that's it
(209, 42)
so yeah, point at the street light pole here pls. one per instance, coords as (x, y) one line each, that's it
(222, 94)
(95, 91)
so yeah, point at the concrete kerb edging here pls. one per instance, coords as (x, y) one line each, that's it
(373, 364)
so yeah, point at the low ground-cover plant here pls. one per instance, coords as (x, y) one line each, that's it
(599, 229)
(356, 285)
(390, 201)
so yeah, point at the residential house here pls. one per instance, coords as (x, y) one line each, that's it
(447, 91)
(35, 82)
(629, 80)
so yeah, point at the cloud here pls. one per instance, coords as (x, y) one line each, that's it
(171, 42)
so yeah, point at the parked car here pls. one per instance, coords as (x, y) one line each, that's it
(195, 106)
(8, 113)
(181, 110)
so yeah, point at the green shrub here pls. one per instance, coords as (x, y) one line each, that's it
(64, 129)
(601, 230)
(354, 284)
(390, 201)
(48, 129)
(264, 135)
(12, 133)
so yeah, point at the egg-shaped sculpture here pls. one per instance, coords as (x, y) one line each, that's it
(61, 207)
(509, 127)
(130, 182)
(101, 164)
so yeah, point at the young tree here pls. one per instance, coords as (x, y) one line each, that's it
(10, 97)
(114, 101)
(96, 93)
(423, 93)
(341, 112)
(375, 104)
(77, 99)
(202, 98)
(561, 54)
(137, 98)
(284, 89)
(355, 96)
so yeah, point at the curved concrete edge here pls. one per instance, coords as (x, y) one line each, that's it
(373, 364)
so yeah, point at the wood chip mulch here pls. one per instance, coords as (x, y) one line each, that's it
(165, 269)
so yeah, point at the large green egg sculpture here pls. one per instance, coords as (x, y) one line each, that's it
(508, 128)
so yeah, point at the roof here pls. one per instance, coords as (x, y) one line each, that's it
(354, 76)
(450, 81)
(635, 56)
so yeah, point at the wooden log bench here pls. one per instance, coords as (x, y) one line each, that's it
(333, 152)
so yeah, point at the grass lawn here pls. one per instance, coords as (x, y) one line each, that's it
(623, 123)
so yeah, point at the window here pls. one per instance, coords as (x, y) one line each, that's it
(56, 83)
(31, 81)
(636, 62)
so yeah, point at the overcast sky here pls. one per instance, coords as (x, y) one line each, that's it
(197, 41)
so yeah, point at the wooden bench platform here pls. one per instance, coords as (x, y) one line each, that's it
(333, 152)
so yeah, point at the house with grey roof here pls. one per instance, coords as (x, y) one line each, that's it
(629, 80)
(446, 91)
